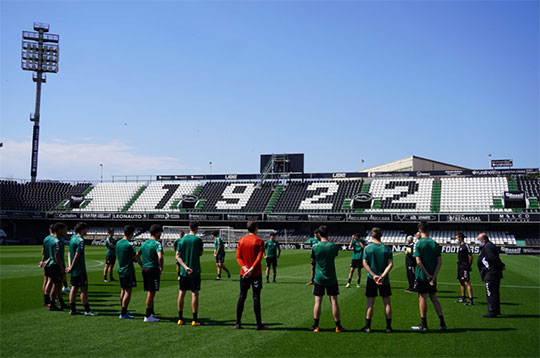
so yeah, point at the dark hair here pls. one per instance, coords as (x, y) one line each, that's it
(316, 231)
(155, 228)
(80, 227)
(109, 230)
(423, 227)
(272, 234)
(358, 235)
(460, 235)
(376, 233)
(59, 226)
(252, 226)
(323, 231)
(194, 225)
(215, 233)
(51, 228)
(181, 233)
(129, 230)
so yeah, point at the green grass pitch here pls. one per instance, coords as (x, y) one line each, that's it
(29, 330)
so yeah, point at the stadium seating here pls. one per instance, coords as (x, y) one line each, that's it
(531, 188)
(234, 196)
(317, 196)
(109, 197)
(159, 196)
(473, 195)
(401, 195)
(38, 196)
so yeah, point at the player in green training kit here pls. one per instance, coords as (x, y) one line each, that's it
(428, 258)
(323, 257)
(126, 270)
(77, 268)
(357, 244)
(55, 267)
(43, 263)
(313, 241)
(271, 254)
(188, 256)
(175, 247)
(219, 254)
(110, 259)
(377, 261)
(151, 253)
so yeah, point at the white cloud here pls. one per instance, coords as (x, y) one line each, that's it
(78, 160)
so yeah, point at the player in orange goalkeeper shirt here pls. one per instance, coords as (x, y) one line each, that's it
(249, 255)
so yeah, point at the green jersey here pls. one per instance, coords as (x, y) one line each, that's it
(110, 241)
(190, 251)
(125, 251)
(76, 245)
(311, 241)
(53, 247)
(324, 254)
(176, 242)
(271, 248)
(46, 247)
(428, 251)
(357, 250)
(62, 243)
(378, 256)
(149, 252)
(219, 247)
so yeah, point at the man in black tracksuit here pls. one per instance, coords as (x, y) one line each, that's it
(491, 268)
(410, 263)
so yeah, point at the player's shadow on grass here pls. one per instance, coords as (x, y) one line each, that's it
(502, 304)
(452, 330)
(519, 316)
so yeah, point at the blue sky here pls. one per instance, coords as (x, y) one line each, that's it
(166, 87)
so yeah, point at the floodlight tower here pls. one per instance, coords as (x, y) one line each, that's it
(39, 54)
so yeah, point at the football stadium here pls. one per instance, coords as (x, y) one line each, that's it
(435, 254)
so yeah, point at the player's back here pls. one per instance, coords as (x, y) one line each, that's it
(248, 250)
(190, 248)
(149, 250)
(428, 250)
(324, 254)
(125, 253)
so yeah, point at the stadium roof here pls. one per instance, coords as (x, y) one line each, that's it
(413, 163)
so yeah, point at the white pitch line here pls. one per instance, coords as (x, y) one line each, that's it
(100, 263)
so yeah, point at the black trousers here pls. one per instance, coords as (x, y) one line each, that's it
(410, 276)
(493, 287)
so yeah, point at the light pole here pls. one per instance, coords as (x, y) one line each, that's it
(489, 156)
(39, 54)
(210, 167)
(101, 165)
(362, 164)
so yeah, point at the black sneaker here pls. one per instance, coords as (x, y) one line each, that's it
(460, 300)
(228, 274)
(389, 330)
(262, 328)
(237, 326)
(443, 327)
(54, 308)
(469, 303)
(487, 315)
(365, 329)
